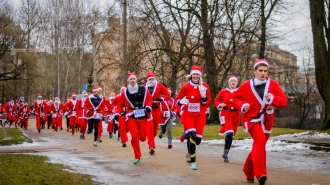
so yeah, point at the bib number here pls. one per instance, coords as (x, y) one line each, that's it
(139, 113)
(222, 120)
(73, 113)
(42, 114)
(194, 107)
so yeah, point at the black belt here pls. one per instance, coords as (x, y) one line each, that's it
(233, 110)
(135, 108)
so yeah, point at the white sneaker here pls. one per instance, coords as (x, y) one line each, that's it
(94, 143)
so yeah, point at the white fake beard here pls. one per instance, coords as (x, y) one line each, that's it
(151, 83)
(132, 89)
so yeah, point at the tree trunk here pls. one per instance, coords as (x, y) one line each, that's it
(321, 55)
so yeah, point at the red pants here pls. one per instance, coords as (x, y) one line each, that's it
(73, 123)
(56, 122)
(110, 124)
(138, 130)
(24, 122)
(38, 121)
(99, 134)
(83, 125)
(153, 128)
(123, 128)
(255, 163)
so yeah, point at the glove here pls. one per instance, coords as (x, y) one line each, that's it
(202, 91)
(88, 112)
(116, 117)
(148, 109)
(159, 99)
(167, 114)
(207, 114)
(184, 101)
(173, 114)
(220, 106)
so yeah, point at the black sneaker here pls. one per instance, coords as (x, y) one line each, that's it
(160, 136)
(39, 130)
(250, 180)
(124, 144)
(110, 135)
(262, 179)
(169, 146)
(152, 151)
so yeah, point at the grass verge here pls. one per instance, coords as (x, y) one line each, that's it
(11, 136)
(30, 170)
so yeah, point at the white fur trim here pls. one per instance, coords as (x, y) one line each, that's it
(232, 78)
(195, 72)
(242, 108)
(261, 62)
(131, 77)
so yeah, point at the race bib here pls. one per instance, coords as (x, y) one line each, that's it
(73, 113)
(0, 114)
(222, 120)
(54, 115)
(194, 107)
(139, 113)
(98, 116)
(42, 114)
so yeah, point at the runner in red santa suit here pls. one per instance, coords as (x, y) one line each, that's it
(39, 106)
(19, 104)
(99, 136)
(73, 108)
(256, 99)
(121, 122)
(159, 93)
(1, 114)
(196, 96)
(228, 115)
(110, 105)
(95, 109)
(67, 113)
(24, 113)
(48, 113)
(56, 110)
(138, 102)
(82, 119)
(168, 114)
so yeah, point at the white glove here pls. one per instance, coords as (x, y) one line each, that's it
(184, 101)
(173, 114)
(167, 114)
(202, 91)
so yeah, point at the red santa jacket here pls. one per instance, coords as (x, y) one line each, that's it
(160, 91)
(167, 108)
(124, 102)
(229, 111)
(73, 107)
(39, 107)
(56, 109)
(1, 112)
(191, 92)
(24, 112)
(81, 108)
(94, 107)
(261, 110)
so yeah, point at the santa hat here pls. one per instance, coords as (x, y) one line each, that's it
(100, 88)
(39, 95)
(73, 94)
(150, 75)
(169, 90)
(56, 98)
(11, 100)
(112, 92)
(26, 103)
(196, 70)
(69, 98)
(131, 75)
(259, 61)
(232, 77)
(123, 87)
(85, 93)
(96, 89)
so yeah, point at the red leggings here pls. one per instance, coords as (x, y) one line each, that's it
(255, 163)
(138, 130)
